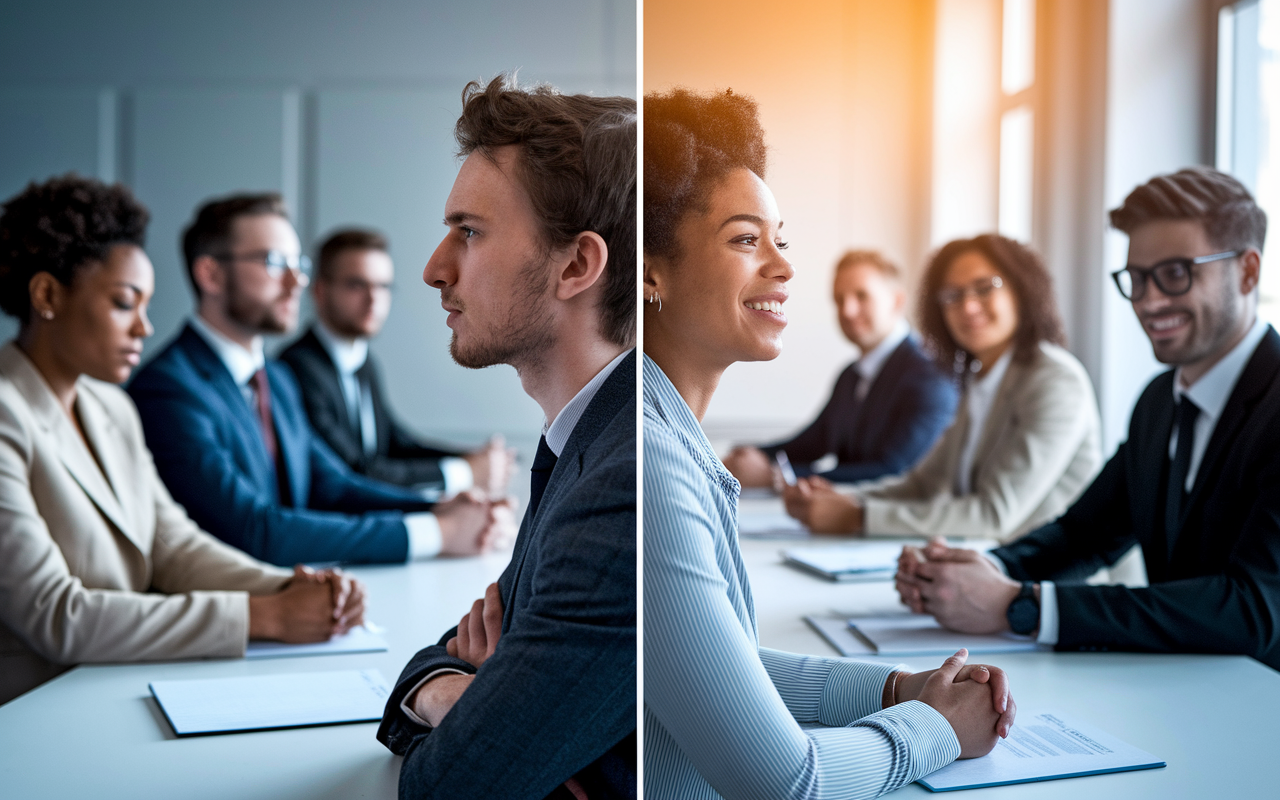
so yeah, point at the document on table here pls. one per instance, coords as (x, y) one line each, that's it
(357, 640)
(901, 635)
(1043, 747)
(855, 561)
(267, 702)
(764, 516)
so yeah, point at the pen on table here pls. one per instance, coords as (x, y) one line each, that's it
(784, 465)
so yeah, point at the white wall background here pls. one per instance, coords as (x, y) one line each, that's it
(346, 108)
(842, 89)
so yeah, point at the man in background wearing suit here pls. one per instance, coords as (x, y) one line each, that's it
(1197, 484)
(228, 432)
(534, 693)
(887, 408)
(341, 381)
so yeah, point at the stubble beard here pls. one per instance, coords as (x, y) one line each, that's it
(260, 319)
(524, 338)
(1220, 326)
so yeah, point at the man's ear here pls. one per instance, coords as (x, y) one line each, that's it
(1250, 270)
(209, 276)
(588, 255)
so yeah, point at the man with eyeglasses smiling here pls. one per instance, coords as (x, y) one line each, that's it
(228, 431)
(1197, 483)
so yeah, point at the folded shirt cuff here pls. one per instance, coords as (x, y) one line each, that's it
(405, 704)
(853, 690)
(924, 739)
(425, 539)
(457, 475)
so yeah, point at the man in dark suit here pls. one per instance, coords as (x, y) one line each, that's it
(534, 694)
(1197, 483)
(887, 408)
(342, 386)
(227, 429)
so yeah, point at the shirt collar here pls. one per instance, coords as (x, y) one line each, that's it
(241, 363)
(1211, 392)
(872, 361)
(561, 428)
(348, 355)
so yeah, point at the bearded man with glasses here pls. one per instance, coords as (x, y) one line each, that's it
(229, 432)
(1197, 483)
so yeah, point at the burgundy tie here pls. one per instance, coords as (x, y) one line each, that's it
(262, 398)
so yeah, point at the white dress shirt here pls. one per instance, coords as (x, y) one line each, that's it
(557, 435)
(1210, 393)
(868, 367)
(980, 394)
(423, 529)
(348, 356)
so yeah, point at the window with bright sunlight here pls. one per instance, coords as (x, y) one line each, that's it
(1017, 118)
(1248, 124)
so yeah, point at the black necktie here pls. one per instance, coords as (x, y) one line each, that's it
(1175, 492)
(540, 473)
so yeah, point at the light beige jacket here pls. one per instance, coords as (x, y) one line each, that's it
(1039, 449)
(102, 567)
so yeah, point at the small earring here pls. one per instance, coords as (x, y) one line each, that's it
(47, 314)
(656, 299)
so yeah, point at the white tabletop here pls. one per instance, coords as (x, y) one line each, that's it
(95, 732)
(1214, 719)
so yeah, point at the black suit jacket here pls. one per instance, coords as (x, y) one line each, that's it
(906, 408)
(1216, 587)
(557, 699)
(399, 458)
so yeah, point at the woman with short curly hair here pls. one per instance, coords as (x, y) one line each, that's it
(1025, 441)
(97, 563)
(723, 715)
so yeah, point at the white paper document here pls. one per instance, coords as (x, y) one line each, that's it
(1043, 747)
(762, 514)
(357, 640)
(264, 702)
(847, 562)
(902, 635)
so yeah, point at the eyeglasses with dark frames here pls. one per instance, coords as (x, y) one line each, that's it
(1172, 276)
(275, 262)
(953, 296)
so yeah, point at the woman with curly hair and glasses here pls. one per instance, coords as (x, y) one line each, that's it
(1025, 441)
(723, 715)
(97, 563)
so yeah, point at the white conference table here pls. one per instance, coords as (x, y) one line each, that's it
(1214, 719)
(95, 732)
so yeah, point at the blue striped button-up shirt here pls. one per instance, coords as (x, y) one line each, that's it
(724, 717)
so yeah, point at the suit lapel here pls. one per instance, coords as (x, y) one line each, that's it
(216, 378)
(114, 478)
(998, 416)
(1252, 384)
(72, 451)
(885, 379)
(609, 400)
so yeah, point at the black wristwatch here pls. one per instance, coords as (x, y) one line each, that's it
(1024, 611)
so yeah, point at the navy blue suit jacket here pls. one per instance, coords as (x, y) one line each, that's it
(1215, 588)
(209, 451)
(557, 699)
(907, 407)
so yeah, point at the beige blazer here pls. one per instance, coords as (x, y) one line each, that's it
(102, 567)
(1039, 449)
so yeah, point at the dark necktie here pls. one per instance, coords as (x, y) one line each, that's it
(1175, 492)
(262, 405)
(543, 463)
